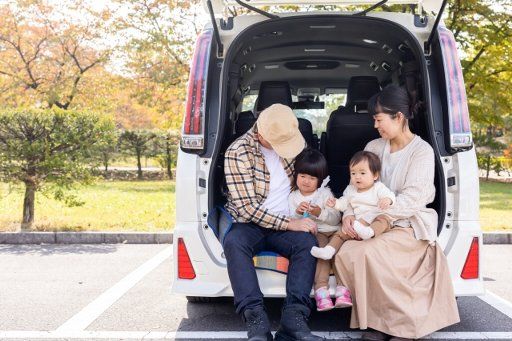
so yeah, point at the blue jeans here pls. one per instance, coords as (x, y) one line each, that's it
(245, 240)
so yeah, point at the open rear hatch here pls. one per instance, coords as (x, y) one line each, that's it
(217, 8)
(289, 43)
(220, 5)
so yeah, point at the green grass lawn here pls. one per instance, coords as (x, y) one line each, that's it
(109, 206)
(150, 206)
(495, 206)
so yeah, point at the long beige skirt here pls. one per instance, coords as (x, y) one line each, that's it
(400, 286)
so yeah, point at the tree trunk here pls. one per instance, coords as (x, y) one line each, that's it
(139, 165)
(488, 166)
(105, 161)
(168, 159)
(28, 206)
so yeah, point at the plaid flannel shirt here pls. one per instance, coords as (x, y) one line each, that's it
(248, 181)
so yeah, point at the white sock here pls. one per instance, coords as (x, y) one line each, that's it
(323, 252)
(365, 232)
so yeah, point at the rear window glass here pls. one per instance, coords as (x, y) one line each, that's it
(248, 102)
(317, 117)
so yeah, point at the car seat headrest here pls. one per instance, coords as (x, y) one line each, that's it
(272, 92)
(360, 90)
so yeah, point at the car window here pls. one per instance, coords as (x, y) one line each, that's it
(319, 117)
(248, 102)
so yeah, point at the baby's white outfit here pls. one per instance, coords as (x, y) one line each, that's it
(364, 203)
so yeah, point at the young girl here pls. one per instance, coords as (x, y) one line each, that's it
(367, 197)
(307, 199)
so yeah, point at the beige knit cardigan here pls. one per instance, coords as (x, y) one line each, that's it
(413, 183)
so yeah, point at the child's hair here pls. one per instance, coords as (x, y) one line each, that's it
(311, 162)
(372, 159)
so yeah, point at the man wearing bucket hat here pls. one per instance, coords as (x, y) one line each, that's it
(259, 170)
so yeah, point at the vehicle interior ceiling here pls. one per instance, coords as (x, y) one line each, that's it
(302, 63)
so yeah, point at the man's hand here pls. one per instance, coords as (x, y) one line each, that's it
(331, 202)
(384, 203)
(304, 225)
(303, 207)
(347, 227)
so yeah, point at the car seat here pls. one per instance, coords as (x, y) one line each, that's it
(349, 129)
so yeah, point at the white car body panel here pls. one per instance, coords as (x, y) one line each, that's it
(461, 223)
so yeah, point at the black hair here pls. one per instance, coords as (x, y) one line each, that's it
(311, 162)
(372, 159)
(391, 100)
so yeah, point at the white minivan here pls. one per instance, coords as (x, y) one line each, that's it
(324, 64)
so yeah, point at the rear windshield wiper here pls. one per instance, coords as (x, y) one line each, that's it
(377, 5)
(273, 16)
(257, 10)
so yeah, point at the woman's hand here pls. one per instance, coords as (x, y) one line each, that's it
(347, 227)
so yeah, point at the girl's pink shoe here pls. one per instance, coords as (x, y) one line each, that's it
(343, 299)
(323, 299)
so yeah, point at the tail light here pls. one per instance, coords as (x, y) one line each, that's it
(193, 123)
(471, 267)
(185, 268)
(458, 113)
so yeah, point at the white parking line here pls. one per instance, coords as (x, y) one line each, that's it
(93, 310)
(146, 335)
(498, 303)
(74, 328)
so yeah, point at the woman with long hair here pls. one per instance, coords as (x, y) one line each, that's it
(400, 282)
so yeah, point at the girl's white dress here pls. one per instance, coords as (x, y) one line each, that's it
(329, 218)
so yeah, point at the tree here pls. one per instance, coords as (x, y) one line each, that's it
(106, 149)
(138, 142)
(483, 30)
(162, 35)
(46, 51)
(167, 148)
(488, 151)
(48, 150)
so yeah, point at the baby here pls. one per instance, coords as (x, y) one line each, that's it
(367, 197)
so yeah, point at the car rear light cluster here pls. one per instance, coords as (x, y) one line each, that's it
(194, 120)
(458, 113)
(185, 267)
(471, 267)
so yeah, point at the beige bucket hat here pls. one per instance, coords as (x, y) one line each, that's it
(278, 125)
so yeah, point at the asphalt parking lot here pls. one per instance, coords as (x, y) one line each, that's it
(122, 292)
